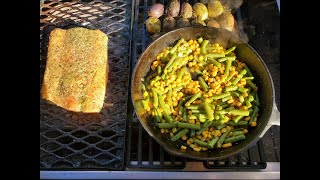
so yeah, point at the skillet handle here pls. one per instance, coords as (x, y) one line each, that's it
(274, 120)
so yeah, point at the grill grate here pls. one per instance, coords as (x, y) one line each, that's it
(87, 141)
(144, 152)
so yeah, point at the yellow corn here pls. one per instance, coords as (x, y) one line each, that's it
(184, 137)
(196, 149)
(162, 130)
(247, 118)
(226, 145)
(253, 124)
(183, 147)
(217, 133)
(223, 130)
(174, 130)
(245, 131)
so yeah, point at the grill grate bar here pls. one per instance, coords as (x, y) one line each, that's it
(150, 151)
(140, 145)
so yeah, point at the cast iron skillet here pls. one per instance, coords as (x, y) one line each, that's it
(268, 114)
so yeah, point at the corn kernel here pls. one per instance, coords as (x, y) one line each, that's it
(162, 131)
(217, 133)
(247, 118)
(245, 131)
(204, 148)
(183, 147)
(226, 145)
(253, 124)
(171, 134)
(184, 137)
(174, 130)
(229, 128)
(223, 130)
(196, 149)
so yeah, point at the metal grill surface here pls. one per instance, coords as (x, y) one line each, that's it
(71, 140)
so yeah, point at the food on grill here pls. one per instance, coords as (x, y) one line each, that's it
(213, 23)
(226, 21)
(168, 24)
(186, 10)
(153, 25)
(76, 71)
(201, 94)
(198, 22)
(156, 10)
(214, 8)
(183, 22)
(200, 11)
(173, 8)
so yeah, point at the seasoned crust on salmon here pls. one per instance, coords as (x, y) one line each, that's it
(76, 71)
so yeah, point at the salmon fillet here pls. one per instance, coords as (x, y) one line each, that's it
(76, 71)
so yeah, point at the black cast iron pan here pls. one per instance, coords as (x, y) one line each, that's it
(268, 114)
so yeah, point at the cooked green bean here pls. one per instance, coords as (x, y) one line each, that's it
(221, 126)
(198, 111)
(240, 75)
(236, 133)
(213, 142)
(203, 84)
(228, 51)
(155, 98)
(195, 107)
(213, 61)
(239, 112)
(201, 143)
(234, 139)
(227, 69)
(254, 114)
(156, 115)
(250, 83)
(167, 125)
(241, 99)
(205, 126)
(185, 115)
(208, 110)
(231, 58)
(189, 126)
(248, 78)
(194, 97)
(193, 133)
(203, 46)
(220, 96)
(174, 48)
(174, 57)
(215, 55)
(159, 70)
(179, 134)
(237, 118)
(222, 138)
(248, 103)
(170, 98)
(248, 70)
(231, 88)
(239, 123)
(163, 104)
(181, 72)
(167, 117)
(242, 89)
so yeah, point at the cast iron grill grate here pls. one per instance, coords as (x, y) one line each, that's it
(87, 141)
(144, 152)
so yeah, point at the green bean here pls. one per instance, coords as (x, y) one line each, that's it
(192, 116)
(159, 113)
(213, 61)
(155, 97)
(205, 126)
(185, 115)
(201, 143)
(239, 112)
(257, 101)
(231, 88)
(212, 142)
(163, 105)
(195, 107)
(221, 126)
(248, 103)
(242, 89)
(250, 83)
(234, 139)
(167, 117)
(208, 110)
(239, 123)
(179, 134)
(216, 123)
(145, 103)
(198, 111)
(178, 88)
(237, 133)
(219, 107)
(203, 46)
(180, 105)
(239, 76)
(194, 97)
(203, 84)
(221, 111)
(202, 117)
(159, 70)
(229, 77)
(169, 97)
(228, 51)
(254, 114)
(248, 70)
(193, 133)
(143, 87)
(231, 58)
(181, 72)
(198, 72)
(235, 93)
(237, 118)
(215, 55)
(222, 139)
(220, 96)
(216, 116)
(174, 48)
(167, 125)
(228, 65)
(200, 40)
(241, 99)
(189, 126)
(248, 78)
(156, 116)
(169, 63)
(226, 98)
(157, 78)
(176, 62)
(238, 129)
